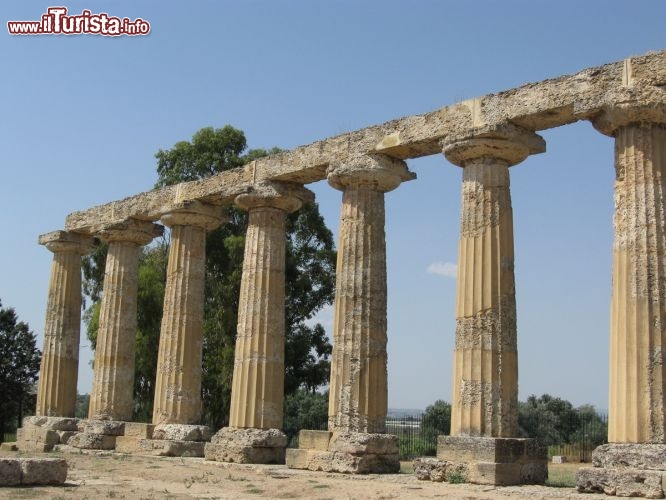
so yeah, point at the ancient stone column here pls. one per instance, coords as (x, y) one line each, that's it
(637, 412)
(113, 383)
(178, 383)
(485, 363)
(484, 405)
(254, 434)
(56, 392)
(358, 398)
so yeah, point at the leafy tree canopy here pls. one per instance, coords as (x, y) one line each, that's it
(19, 365)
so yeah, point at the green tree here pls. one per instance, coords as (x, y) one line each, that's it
(19, 365)
(550, 419)
(310, 282)
(437, 419)
(304, 409)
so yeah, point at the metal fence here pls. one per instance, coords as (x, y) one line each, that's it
(574, 436)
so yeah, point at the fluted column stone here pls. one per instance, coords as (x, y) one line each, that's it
(258, 382)
(637, 412)
(58, 375)
(358, 397)
(178, 381)
(112, 392)
(485, 364)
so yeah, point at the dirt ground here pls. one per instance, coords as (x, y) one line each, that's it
(111, 475)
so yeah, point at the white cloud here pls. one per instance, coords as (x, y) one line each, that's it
(448, 269)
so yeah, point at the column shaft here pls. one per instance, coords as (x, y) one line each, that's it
(113, 385)
(638, 308)
(178, 383)
(358, 400)
(56, 392)
(485, 372)
(258, 384)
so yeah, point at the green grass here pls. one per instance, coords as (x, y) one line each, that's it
(561, 477)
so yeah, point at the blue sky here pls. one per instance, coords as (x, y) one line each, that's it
(81, 118)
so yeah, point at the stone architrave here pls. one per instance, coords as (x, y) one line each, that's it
(485, 364)
(56, 392)
(113, 384)
(254, 434)
(484, 409)
(636, 412)
(358, 398)
(178, 382)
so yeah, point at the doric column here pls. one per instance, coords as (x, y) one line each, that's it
(56, 392)
(178, 382)
(113, 384)
(485, 364)
(358, 399)
(638, 307)
(258, 381)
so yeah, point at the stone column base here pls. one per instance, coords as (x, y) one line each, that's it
(625, 470)
(247, 446)
(349, 452)
(97, 434)
(165, 440)
(44, 433)
(494, 461)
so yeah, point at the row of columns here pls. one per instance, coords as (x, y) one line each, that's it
(485, 367)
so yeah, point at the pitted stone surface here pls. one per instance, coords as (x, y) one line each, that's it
(255, 446)
(625, 482)
(433, 469)
(632, 455)
(89, 441)
(107, 427)
(359, 443)
(159, 447)
(180, 432)
(52, 423)
(346, 463)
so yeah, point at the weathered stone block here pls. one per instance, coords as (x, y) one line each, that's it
(9, 446)
(90, 441)
(51, 423)
(43, 471)
(430, 469)
(10, 472)
(297, 458)
(360, 443)
(244, 455)
(624, 482)
(127, 444)
(633, 455)
(182, 448)
(106, 427)
(315, 440)
(139, 430)
(179, 432)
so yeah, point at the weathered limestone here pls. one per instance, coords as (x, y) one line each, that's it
(636, 411)
(32, 471)
(634, 464)
(178, 383)
(358, 400)
(485, 365)
(258, 381)
(113, 383)
(56, 392)
(40, 433)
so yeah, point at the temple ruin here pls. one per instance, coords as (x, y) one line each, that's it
(484, 136)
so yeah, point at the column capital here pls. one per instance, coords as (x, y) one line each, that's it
(285, 196)
(195, 213)
(377, 172)
(131, 230)
(615, 116)
(63, 241)
(507, 143)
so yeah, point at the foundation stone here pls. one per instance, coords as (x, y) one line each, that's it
(32, 471)
(247, 446)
